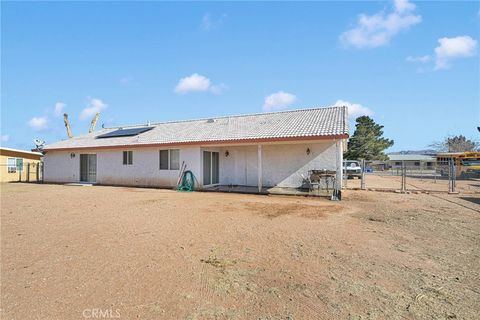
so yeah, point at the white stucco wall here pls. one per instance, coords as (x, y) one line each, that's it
(282, 164)
(59, 166)
(145, 171)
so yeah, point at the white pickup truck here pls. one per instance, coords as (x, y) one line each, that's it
(352, 168)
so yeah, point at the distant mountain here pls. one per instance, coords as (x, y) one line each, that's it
(425, 152)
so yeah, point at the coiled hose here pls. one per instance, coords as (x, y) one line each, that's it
(188, 182)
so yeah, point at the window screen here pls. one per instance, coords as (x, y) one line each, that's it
(174, 159)
(163, 159)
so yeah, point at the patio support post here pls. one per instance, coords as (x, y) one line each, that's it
(259, 163)
(339, 169)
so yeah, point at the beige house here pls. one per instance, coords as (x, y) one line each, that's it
(20, 165)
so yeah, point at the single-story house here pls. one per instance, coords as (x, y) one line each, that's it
(412, 161)
(19, 165)
(261, 150)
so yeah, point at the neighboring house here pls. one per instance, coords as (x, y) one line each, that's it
(412, 161)
(19, 165)
(261, 150)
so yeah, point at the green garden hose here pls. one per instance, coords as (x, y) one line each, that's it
(187, 182)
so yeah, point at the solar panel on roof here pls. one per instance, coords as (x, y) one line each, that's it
(125, 132)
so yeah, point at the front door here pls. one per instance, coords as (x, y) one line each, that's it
(210, 167)
(88, 167)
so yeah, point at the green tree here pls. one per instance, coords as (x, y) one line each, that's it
(456, 144)
(367, 141)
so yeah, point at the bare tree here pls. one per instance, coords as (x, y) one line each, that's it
(456, 144)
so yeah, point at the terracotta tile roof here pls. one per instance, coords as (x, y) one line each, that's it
(301, 124)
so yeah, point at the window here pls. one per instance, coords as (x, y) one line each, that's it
(127, 157)
(398, 163)
(12, 165)
(170, 159)
(417, 163)
(163, 159)
(174, 159)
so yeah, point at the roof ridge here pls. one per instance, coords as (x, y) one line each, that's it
(20, 150)
(223, 117)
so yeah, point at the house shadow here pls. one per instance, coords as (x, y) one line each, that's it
(471, 199)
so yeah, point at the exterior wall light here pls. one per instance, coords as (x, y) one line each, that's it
(227, 153)
(72, 155)
(308, 151)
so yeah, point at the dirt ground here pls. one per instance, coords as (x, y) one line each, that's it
(110, 252)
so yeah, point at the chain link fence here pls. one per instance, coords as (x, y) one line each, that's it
(405, 178)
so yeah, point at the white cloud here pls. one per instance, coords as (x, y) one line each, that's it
(453, 48)
(278, 100)
(38, 123)
(210, 22)
(355, 110)
(421, 59)
(195, 82)
(93, 106)
(58, 109)
(402, 6)
(378, 29)
(4, 138)
(218, 88)
(198, 83)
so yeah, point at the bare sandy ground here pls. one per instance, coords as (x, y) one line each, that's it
(79, 252)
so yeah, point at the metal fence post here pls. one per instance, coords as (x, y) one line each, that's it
(362, 183)
(452, 176)
(449, 176)
(404, 177)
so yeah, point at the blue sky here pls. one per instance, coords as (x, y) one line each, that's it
(413, 66)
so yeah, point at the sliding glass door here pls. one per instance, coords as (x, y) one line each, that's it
(88, 167)
(211, 169)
